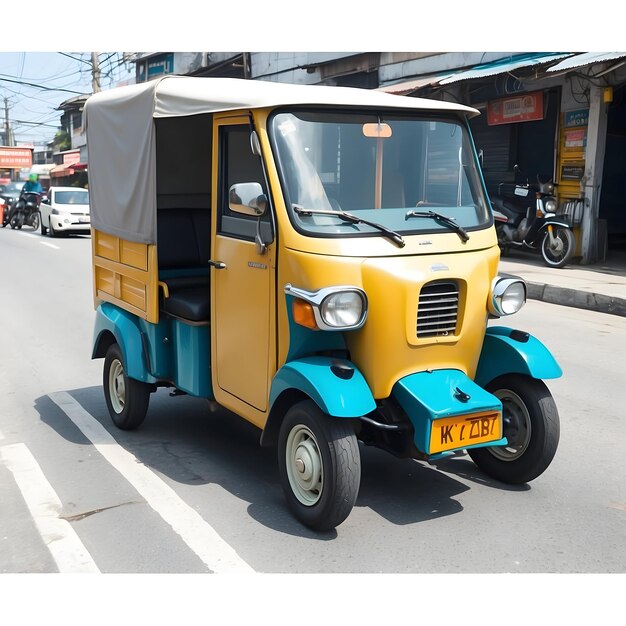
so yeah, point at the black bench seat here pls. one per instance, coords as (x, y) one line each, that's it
(183, 246)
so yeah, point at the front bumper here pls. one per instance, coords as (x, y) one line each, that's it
(74, 223)
(449, 412)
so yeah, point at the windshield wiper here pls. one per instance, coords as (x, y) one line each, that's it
(448, 221)
(348, 217)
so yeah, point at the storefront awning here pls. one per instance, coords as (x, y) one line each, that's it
(586, 58)
(79, 166)
(503, 66)
(61, 170)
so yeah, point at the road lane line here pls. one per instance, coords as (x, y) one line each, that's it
(200, 536)
(50, 245)
(44, 505)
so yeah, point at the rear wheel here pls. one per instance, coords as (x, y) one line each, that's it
(558, 250)
(319, 464)
(127, 398)
(531, 425)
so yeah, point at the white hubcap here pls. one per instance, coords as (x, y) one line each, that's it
(117, 386)
(304, 465)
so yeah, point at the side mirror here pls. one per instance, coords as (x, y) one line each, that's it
(247, 199)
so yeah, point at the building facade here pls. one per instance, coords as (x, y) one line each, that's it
(554, 115)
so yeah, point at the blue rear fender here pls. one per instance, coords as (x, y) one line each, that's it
(126, 330)
(509, 351)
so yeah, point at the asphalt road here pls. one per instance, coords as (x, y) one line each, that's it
(192, 492)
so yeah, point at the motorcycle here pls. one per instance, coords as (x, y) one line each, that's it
(532, 223)
(25, 211)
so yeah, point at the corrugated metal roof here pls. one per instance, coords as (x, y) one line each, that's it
(408, 86)
(504, 66)
(585, 58)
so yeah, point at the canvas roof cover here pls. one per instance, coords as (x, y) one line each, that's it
(122, 145)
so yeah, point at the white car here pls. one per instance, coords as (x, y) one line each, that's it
(66, 210)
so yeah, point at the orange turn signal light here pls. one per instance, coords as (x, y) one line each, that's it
(303, 314)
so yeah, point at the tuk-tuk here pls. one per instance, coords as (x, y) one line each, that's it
(320, 261)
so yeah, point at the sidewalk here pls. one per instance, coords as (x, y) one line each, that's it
(600, 287)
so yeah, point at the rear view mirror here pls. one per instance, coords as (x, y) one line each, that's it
(247, 199)
(380, 131)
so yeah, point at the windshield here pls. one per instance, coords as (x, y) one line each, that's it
(378, 167)
(71, 197)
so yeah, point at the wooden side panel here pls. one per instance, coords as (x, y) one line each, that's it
(125, 273)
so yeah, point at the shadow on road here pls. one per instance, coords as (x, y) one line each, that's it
(186, 442)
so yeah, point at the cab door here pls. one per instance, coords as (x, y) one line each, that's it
(242, 280)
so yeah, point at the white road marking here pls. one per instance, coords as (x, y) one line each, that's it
(21, 232)
(50, 245)
(200, 536)
(44, 505)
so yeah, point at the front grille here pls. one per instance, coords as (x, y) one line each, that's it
(437, 309)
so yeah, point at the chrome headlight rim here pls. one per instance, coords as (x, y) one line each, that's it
(498, 305)
(317, 300)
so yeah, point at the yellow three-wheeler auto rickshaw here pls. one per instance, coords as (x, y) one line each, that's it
(322, 262)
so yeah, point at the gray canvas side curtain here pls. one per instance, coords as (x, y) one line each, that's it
(121, 148)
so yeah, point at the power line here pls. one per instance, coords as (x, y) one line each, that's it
(18, 82)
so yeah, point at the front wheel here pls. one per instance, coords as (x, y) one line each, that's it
(35, 220)
(320, 466)
(558, 250)
(531, 425)
(127, 398)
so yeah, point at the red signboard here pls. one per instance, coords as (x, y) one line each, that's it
(16, 158)
(69, 158)
(525, 107)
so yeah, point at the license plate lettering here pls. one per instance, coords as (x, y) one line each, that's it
(456, 432)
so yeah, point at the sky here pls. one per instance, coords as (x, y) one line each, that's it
(34, 84)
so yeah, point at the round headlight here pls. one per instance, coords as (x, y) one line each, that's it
(342, 309)
(551, 206)
(508, 296)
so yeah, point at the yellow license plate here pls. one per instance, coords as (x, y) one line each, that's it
(465, 430)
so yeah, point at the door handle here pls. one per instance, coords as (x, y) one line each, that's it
(218, 265)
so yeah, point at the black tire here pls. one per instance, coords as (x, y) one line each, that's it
(565, 247)
(42, 229)
(319, 464)
(36, 221)
(531, 423)
(126, 398)
(51, 231)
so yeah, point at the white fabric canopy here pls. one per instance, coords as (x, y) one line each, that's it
(121, 134)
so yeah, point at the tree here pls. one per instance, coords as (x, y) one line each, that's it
(62, 141)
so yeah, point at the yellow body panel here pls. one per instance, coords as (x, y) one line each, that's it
(243, 338)
(386, 348)
(125, 273)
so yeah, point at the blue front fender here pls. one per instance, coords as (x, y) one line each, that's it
(337, 387)
(508, 351)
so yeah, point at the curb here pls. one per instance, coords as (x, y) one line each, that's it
(577, 299)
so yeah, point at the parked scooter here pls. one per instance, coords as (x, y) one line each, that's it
(25, 211)
(531, 222)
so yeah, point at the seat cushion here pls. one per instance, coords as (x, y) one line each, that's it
(191, 303)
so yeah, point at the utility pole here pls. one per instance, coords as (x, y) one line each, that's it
(95, 72)
(7, 129)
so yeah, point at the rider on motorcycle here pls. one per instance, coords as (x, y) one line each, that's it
(32, 184)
